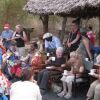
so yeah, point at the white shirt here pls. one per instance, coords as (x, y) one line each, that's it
(25, 91)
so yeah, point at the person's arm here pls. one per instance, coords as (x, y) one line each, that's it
(81, 70)
(64, 62)
(57, 42)
(13, 36)
(2, 35)
(96, 75)
(26, 58)
(46, 45)
(48, 61)
(39, 97)
(24, 36)
(86, 44)
(76, 39)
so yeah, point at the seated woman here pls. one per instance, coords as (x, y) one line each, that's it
(76, 68)
(27, 89)
(56, 63)
(94, 90)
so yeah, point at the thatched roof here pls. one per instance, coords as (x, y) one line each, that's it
(64, 7)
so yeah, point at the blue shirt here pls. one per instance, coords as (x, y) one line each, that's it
(54, 44)
(7, 34)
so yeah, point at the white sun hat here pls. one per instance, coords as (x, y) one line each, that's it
(47, 35)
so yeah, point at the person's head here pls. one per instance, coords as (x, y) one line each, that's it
(18, 28)
(7, 27)
(27, 74)
(75, 26)
(59, 52)
(89, 28)
(33, 46)
(73, 57)
(47, 36)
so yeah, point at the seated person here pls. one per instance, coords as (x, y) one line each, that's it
(76, 67)
(10, 59)
(56, 64)
(51, 42)
(4, 86)
(94, 90)
(26, 88)
(26, 61)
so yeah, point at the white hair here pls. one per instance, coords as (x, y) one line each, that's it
(73, 54)
(19, 26)
(60, 49)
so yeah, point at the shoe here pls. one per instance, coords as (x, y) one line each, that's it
(68, 96)
(88, 99)
(61, 94)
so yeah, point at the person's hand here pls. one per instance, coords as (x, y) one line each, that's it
(69, 45)
(59, 69)
(63, 65)
(47, 61)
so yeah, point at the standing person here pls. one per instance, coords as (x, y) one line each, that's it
(91, 35)
(27, 89)
(74, 37)
(20, 38)
(84, 47)
(51, 42)
(6, 35)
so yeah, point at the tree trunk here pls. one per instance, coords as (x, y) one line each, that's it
(99, 31)
(63, 28)
(44, 19)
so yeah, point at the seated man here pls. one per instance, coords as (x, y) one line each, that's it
(56, 63)
(51, 42)
(76, 68)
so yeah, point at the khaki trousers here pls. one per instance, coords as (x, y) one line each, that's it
(94, 90)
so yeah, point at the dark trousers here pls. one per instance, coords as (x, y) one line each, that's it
(43, 77)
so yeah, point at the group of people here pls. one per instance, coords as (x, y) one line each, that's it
(16, 65)
(79, 43)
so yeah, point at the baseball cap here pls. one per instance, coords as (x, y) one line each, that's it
(47, 35)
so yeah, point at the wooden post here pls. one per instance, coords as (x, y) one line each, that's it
(99, 31)
(44, 19)
(63, 28)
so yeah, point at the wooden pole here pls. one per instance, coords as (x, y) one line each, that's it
(63, 28)
(45, 19)
(99, 31)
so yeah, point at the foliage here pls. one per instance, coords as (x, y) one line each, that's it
(11, 12)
